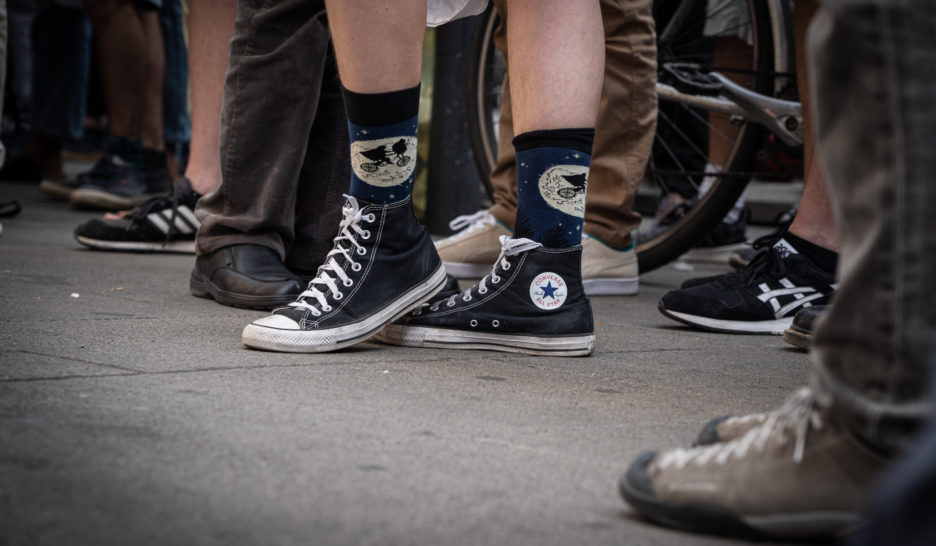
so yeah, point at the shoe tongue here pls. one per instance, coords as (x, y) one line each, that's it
(784, 248)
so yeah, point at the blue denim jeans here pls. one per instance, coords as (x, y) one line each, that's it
(875, 84)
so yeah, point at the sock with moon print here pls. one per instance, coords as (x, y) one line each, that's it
(552, 175)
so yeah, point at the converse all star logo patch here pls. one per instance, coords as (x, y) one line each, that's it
(384, 162)
(548, 291)
(563, 188)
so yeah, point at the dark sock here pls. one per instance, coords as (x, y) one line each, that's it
(126, 150)
(822, 258)
(552, 172)
(382, 128)
(153, 160)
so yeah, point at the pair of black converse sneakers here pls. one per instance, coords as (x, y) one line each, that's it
(384, 279)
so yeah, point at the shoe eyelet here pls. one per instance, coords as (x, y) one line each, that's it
(370, 218)
(483, 291)
(473, 323)
(361, 251)
(495, 280)
(338, 296)
(326, 308)
(434, 308)
(506, 266)
(366, 234)
(466, 297)
(450, 304)
(348, 282)
(355, 266)
(495, 323)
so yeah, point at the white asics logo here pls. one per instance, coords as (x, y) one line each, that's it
(801, 297)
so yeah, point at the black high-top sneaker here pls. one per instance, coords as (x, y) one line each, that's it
(532, 303)
(382, 265)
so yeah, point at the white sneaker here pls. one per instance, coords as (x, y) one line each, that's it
(606, 271)
(469, 253)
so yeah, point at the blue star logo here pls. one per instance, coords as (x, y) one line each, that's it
(550, 290)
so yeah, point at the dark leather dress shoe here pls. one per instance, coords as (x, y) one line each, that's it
(800, 333)
(251, 276)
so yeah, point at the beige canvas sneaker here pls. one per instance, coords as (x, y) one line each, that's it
(727, 428)
(606, 271)
(795, 476)
(470, 253)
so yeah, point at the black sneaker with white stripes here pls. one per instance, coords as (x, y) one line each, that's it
(532, 302)
(760, 298)
(165, 223)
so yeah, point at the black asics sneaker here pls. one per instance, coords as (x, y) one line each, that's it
(114, 184)
(761, 298)
(532, 302)
(163, 224)
(382, 265)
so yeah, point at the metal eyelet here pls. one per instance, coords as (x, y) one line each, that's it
(495, 323)
(495, 279)
(506, 266)
(371, 218)
(366, 234)
(473, 323)
(338, 296)
(483, 291)
(361, 251)
(466, 297)
(450, 304)
(356, 266)
(348, 282)
(326, 308)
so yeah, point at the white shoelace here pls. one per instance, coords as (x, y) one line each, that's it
(798, 415)
(509, 247)
(473, 222)
(329, 274)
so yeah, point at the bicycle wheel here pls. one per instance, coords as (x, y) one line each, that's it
(684, 34)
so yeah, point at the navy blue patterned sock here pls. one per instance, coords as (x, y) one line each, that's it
(382, 127)
(552, 172)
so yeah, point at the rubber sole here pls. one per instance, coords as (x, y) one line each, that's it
(798, 337)
(716, 520)
(87, 198)
(186, 247)
(201, 287)
(765, 327)
(444, 338)
(611, 287)
(56, 190)
(332, 339)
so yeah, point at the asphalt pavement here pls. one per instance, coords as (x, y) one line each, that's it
(131, 414)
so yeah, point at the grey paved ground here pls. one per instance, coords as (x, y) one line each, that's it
(132, 414)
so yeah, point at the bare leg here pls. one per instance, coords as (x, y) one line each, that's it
(730, 52)
(132, 60)
(815, 219)
(557, 63)
(211, 25)
(387, 56)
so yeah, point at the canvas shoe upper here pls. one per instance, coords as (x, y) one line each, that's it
(165, 223)
(607, 271)
(382, 265)
(115, 184)
(761, 298)
(795, 476)
(727, 428)
(531, 302)
(469, 253)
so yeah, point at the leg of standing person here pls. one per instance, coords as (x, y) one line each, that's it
(533, 299)
(623, 136)
(794, 270)
(167, 223)
(132, 60)
(278, 213)
(807, 470)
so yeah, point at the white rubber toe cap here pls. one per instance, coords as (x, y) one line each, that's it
(276, 321)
